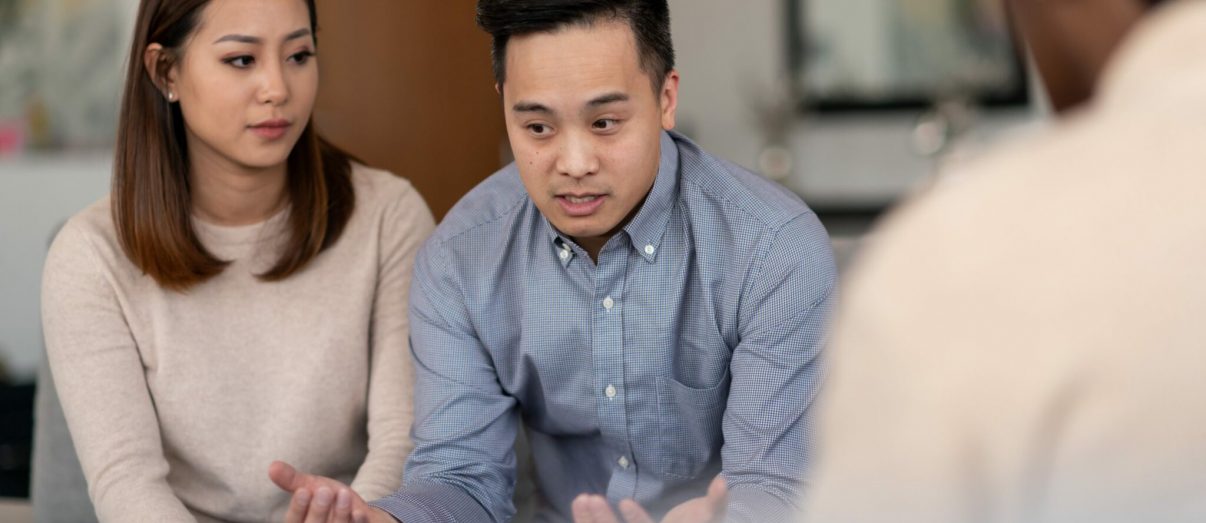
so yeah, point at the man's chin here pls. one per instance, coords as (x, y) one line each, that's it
(576, 228)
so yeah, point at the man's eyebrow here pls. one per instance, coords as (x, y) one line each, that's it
(536, 107)
(608, 98)
(245, 39)
(531, 107)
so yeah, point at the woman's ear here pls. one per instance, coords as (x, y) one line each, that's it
(161, 70)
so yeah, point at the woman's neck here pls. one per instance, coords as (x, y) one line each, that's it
(224, 193)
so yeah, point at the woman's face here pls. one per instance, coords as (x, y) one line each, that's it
(246, 82)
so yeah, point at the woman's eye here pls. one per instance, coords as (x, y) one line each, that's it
(241, 62)
(302, 57)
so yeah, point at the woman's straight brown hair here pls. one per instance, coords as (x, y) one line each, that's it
(151, 198)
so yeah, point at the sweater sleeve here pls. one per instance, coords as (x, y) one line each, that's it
(100, 378)
(406, 223)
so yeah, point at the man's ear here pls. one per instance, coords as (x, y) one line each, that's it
(161, 70)
(668, 99)
(498, 88)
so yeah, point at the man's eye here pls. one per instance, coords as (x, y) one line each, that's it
(605, 124)
(538, 128)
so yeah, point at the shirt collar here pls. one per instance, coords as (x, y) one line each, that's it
(646, 229)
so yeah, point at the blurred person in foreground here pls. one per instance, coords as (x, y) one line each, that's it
(1026, 341)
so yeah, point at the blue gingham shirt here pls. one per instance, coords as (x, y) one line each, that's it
(689, 349)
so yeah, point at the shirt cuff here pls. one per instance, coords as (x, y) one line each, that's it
(431, 503)
(751, 504)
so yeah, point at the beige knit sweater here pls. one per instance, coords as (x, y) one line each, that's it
(178, 402)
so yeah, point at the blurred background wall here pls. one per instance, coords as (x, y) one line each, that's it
(406, 86)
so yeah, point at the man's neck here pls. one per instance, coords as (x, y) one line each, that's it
(593, 245)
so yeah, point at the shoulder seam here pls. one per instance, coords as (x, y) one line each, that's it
(468, 228)
(773, 227)
(763, 253)
(93, 254)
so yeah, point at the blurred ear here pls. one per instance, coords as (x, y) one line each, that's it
(1072, 41)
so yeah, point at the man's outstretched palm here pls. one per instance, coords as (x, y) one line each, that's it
(589, 508)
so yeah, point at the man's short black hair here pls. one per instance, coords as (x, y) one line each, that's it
(649, 20)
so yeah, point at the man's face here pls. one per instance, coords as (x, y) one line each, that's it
(585, 125)
(1072, 40)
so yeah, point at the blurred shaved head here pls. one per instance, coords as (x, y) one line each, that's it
(1072, 40)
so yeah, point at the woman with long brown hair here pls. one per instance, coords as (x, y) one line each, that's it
(240, 296)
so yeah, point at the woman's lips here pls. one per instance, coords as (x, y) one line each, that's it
(271, 129)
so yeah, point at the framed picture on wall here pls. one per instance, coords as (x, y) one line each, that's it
(877, 54)
(62, 65)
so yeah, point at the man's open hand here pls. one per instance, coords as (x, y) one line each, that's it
(591, 508)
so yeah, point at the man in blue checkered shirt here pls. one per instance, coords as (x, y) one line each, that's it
(652, 314)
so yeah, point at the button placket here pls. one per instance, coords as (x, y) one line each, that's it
(608, 350)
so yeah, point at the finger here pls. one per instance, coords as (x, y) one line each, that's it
(718, 498)
(600, 510)
(633, 512)
(285, 476)
(320, 506)
(719, 488)
(580, 509)
(718, 494)
(359, 516)
(343, 507)
(297, 506)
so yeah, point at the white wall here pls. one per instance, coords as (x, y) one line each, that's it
(37, 194)
(728, 50)
(732, 52)
(40, 190)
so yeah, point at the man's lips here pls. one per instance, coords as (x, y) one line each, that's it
(578, 205)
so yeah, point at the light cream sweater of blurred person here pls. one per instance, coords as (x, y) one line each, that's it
(1027, 341)
(178, 402)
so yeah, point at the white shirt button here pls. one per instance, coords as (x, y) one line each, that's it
(623, 462)
(608, 303)
(649, 249)
(610, 391)
(564, 254)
